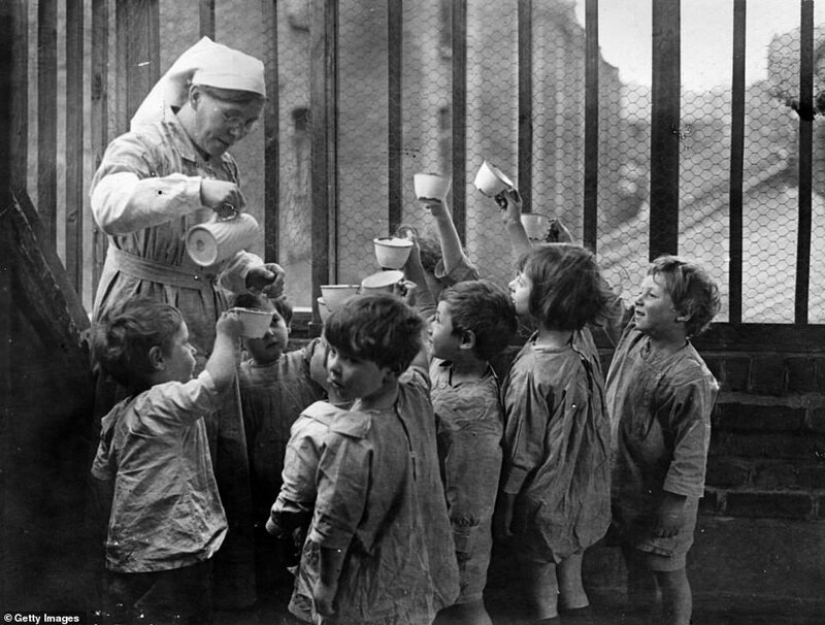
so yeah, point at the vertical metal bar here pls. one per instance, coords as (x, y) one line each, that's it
(525, 103)
(665, 129)
(806, 87)
(47, 119)
(74, 143)
(323, 70)
(591, 123)
(395, 135)
(207, 18)
(459, 156)
(272, 136)
(737, 162)
(100, 116)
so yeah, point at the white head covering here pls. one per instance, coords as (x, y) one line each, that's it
(205, 63)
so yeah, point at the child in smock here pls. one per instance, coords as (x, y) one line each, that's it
(473, 323)
(275, 386)
(380, 547)
(554, 497)
(660, 395)
(166, 519)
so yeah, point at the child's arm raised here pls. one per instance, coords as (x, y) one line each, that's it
(414, 272)
(451, 250)
(511, 217)
(221, 363)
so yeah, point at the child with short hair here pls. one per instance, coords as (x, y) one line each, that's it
(166, 519)
(554, 500)
(660, 395)
(380, 546)
(474, 322)
(275, 386)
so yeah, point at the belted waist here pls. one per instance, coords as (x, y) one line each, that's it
(153, 271)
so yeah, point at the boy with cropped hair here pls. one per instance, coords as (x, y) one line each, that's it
(379, 501)
(474, 322)
(660, 395)
(165, 520)
(276, 385)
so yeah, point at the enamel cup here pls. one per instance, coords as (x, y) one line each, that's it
(255, 322)
(431, 186)
(381, 282)
(219, 239)
(491, 181)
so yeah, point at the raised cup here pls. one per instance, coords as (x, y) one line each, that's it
(491, 181)
(431, 186)
(392, 252)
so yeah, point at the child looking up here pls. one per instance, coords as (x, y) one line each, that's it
(660, 395)
(380, 546)
(275, 386)
(555, 499)
(474, 322)
(166, 518)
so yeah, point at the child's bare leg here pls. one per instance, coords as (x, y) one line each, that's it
(642, 590)
(471, 613)
(543, 587)
(571, 589)
(677, 599)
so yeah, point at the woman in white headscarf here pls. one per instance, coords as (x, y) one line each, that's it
(170, 172)
(173, 171)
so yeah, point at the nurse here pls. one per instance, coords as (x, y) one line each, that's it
(171, 171)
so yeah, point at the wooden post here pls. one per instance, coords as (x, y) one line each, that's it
(737, 162)
(459, 164)
(592, 58)
(138, 39)
(323, 69)
(74, 143)
(665, 129)
(47, 119)
(100, 117)
(272, 137)
(207, 18)
(806, 119)
(525, 103)
(395, 139)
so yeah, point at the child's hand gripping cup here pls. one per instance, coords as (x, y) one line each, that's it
(492, 182)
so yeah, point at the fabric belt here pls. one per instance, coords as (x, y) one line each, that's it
(144, 269)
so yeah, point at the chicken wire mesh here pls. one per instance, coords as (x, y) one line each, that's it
(489, 128)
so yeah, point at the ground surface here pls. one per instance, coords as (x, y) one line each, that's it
(506, 605)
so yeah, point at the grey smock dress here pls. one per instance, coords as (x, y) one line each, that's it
(660, 410)
(556, 449)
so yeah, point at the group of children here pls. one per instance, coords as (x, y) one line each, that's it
(386, 455)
